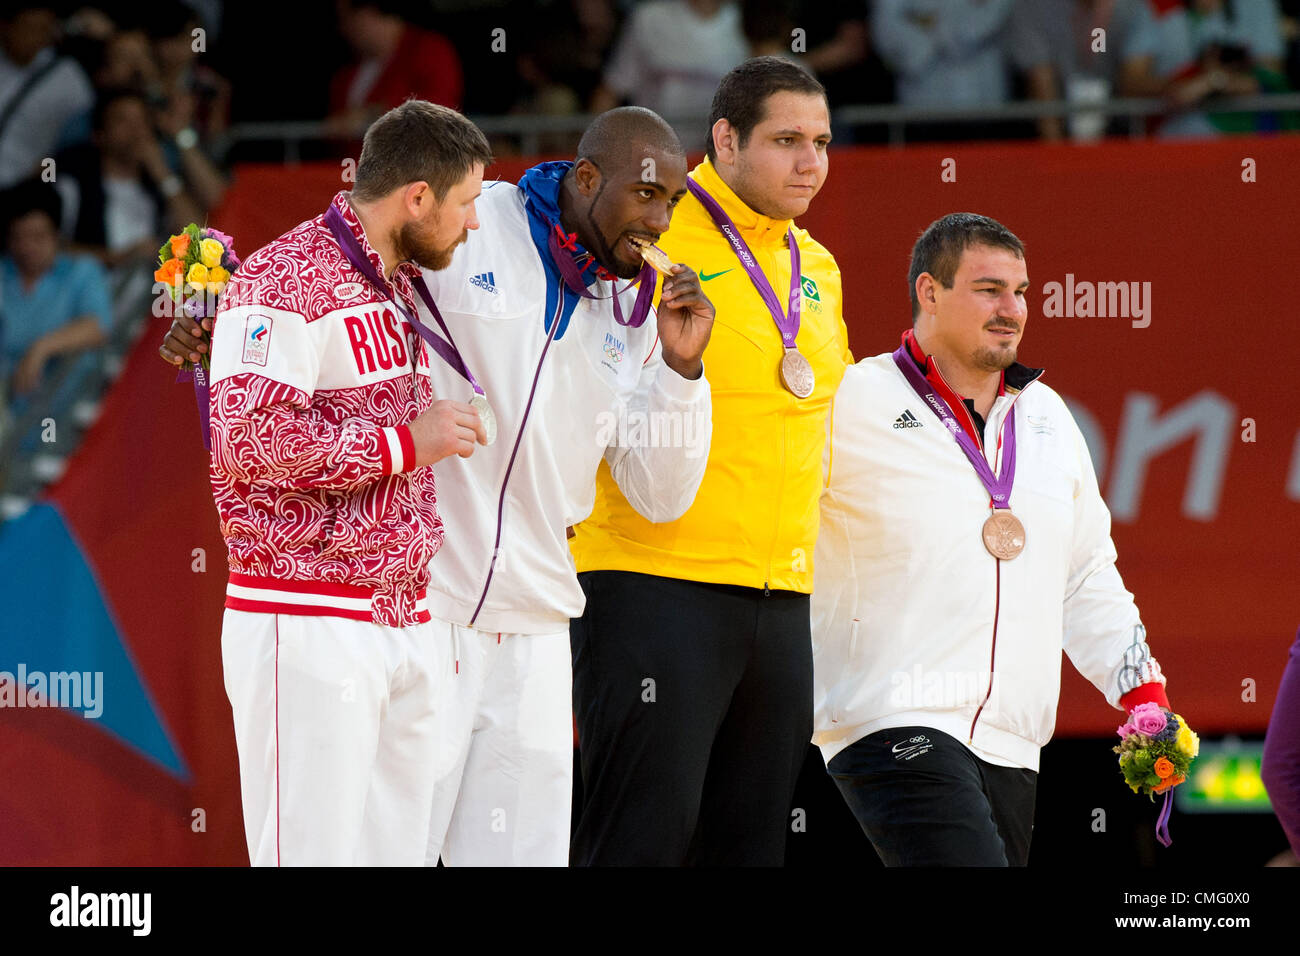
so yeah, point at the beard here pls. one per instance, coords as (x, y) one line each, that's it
(604, 251)
(414, 244)
(994, 360)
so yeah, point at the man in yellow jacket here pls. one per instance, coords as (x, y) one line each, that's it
(692, 664)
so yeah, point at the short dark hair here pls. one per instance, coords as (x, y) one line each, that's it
(104, 102)
(938, 250)
(741, 97)
(29, 196)
(418, 141)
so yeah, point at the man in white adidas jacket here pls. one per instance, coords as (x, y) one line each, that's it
(937, 663)
(569, 385)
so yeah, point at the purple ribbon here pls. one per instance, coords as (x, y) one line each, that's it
(998, 486)
(1162, 821)
(202, 398)
(356, 255)
(572, 276)
(787, 323)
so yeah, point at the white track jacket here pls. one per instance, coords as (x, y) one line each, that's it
(914, 622)
(562, 403)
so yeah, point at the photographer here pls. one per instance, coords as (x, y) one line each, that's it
(1191, 51)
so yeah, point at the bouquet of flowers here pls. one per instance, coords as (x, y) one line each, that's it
(1156, 749)
(199, 262)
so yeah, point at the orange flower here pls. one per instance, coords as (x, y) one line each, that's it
(1167, 783)
(180, 245)
(1163, 768)
(172, 272)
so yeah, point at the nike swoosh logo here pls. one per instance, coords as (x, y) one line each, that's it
(705, 277)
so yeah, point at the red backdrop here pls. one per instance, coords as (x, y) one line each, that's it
(1212, 567)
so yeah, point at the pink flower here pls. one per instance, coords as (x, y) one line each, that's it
(1148, 718)
(1125, 730)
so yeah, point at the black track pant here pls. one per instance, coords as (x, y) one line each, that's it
(923, 799)
(694, 710)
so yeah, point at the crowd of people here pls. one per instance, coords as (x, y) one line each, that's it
(110, 117)
(104, 127)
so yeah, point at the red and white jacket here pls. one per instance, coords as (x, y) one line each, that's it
(312, 470)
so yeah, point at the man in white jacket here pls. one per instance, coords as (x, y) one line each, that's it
(964, 544)
(570, 384)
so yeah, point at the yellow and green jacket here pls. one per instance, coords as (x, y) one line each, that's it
(754, 521)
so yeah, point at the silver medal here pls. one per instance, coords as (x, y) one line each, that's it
(486, 415)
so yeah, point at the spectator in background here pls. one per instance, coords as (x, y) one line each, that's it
(831, 40)
(1290, 22)
(833, 44)
(40, 91)
(567, 45)
(670, 57)
(192, 105)
(395, 61)
(51, 303)
(191, 88)
(1189, 51)
(119, 195)
(563, 52)
(944, 52)
(1052, 43)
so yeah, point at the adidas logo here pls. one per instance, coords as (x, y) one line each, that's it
(484, 281)
(907, 420)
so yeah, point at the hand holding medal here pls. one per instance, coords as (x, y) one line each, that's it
(444, 348)
(685, 315)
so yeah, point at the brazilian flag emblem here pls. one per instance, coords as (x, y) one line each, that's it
(810, 289)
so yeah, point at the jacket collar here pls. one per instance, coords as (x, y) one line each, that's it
(405, 270)
(541, 185)
(755, 227)
(1012, 381)
(1015, 377)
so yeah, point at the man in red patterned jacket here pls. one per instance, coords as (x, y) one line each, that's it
(322, 424)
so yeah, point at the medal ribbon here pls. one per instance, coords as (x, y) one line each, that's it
(998, 486)
(356, 255)
(1162, 822)
(787, 323)
(202, 398)
(572, 276)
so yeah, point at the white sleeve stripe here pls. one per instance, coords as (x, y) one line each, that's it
(395, 450)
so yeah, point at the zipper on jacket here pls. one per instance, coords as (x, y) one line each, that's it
(519, 437)
(780, 495)
(997, 592)
(993, 652)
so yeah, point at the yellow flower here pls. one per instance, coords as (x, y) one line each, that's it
(210, 253)
(197, 276)
(1188, 744)
(217, 278)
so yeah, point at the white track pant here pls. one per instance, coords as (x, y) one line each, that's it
(335, 725)
(504, 793)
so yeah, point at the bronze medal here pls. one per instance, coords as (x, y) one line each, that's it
(1004, 535)
(797, 374)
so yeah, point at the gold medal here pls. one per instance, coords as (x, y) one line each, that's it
(797, 374)
(653, 255)
(1004, 535)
